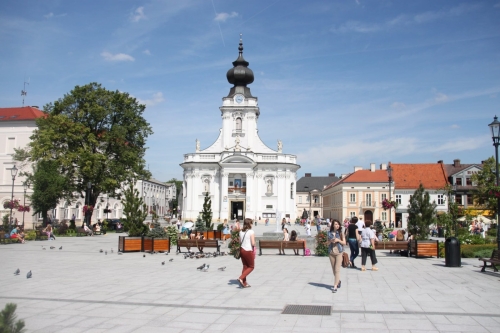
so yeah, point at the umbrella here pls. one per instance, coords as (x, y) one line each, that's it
(480, 218)
(188, 225)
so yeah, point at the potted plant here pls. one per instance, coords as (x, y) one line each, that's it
(135, 213)
(157, 238)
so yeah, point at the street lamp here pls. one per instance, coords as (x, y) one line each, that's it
(389, 174)
(13, 172)
(308, 191)
(495, 135)
(88, 212)
(25, 185)
(454, 187)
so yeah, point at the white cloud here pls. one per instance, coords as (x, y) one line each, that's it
(356, 27)
(156, 99)
(440, 98)
(398, 106)
(146, 52)
(117, 57)
(222, 17)
(49, 15)
(138, 15)
(454, 126)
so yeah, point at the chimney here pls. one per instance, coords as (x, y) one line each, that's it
(372, 167)
(331, 175)
(383, 166)
(482, 162)
(456, 163)
(307, 175)
(440, 162)
(357, 168)
(343, 175)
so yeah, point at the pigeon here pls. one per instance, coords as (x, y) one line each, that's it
(201, 267)
(17, 272)
(106, 252)
(52, 247)
(166, 253)
(44, 248)
(60, 248)
(171, 260)
(206, 268)
(120, 253)
(29, 275)
(163, 263)
(222, 268)
(111, 250)
(144, 256)
(101, 251)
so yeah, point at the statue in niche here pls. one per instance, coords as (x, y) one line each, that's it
(269, 187)
(197, 145)
(207, 186)
(237, 146)
(280, 146)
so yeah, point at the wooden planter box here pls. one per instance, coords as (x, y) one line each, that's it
(130, 244)
(143, 244)
(424, 248)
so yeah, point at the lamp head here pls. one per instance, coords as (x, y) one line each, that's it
(389, 172)
(495, 130)
(13, 172)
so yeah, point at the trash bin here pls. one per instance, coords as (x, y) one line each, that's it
(440, 232)
(452, 252)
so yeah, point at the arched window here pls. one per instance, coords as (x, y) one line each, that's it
(238, 124)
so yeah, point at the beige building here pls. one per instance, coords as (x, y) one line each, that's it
(359, 194)
(309, 194)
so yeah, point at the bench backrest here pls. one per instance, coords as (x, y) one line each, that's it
(197, 242)
(494, 255)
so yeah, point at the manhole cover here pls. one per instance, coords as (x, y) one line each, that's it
(314, 310)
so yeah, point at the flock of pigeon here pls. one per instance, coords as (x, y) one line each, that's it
(29, 275)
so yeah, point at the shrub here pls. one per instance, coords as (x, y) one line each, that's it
(220, 227)
(321, 244)
(472, 239)
(8, 321)
(63, 228)
(172, 234)
(157, 231)
(71, 232)
(234, 244)
(30, 235)
(492, 232)
(473, 251)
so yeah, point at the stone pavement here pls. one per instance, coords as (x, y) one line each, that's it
(78, 289)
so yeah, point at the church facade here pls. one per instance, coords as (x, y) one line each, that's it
(243, 177)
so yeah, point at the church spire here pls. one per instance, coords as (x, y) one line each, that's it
(240, 75)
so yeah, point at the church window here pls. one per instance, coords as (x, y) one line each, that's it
(269, 206)
(244, 184)
(300, 199)
(291, 191)
(238, 124)
(230, 183)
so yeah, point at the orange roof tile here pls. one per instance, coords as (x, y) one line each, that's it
(432, 176)
(363, 176)
(20, 113)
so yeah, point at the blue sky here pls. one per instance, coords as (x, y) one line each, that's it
(341, 83)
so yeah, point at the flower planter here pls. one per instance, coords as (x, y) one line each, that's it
(130, 244)
(424, 248)
(161, 244)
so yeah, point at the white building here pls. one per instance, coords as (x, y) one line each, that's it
(243, 177)
(157, 195)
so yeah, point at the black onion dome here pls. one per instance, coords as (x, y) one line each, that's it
(240, 74)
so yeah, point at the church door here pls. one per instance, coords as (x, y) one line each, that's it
(237, 210)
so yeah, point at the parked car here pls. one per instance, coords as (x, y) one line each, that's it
(112, 223)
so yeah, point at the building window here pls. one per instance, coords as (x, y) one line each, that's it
(238, 124)
(269, 206)
(231, 183)
(316, 199)
(384, 196)
(440, 199)
(368, 199)
(352, 214)
(458, 181)
(398, 199)
(300, 199)
(384, 216)
(352, 198)
(291, 191)
(458, 199)
(470, 200)
(468, 181)
(307, 199)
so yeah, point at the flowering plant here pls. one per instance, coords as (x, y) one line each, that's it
(88, 208)
(11, 204)
(495, 192)
(22, 208)
(388, 204)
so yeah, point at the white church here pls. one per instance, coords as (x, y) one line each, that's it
(243, 177)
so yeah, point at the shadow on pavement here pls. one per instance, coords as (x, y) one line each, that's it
(321, 285)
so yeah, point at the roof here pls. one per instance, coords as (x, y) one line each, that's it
(20, 113)
(410, 176)
(451, 169)
(314, 183)
(364, 176)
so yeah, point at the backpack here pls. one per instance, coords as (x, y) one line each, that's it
(307, 252)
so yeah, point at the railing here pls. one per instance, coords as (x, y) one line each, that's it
(269, 157)
(239, 132)
(369, 204)
(207, 157)
(236, 190)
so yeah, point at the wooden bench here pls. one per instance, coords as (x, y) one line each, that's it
(97, 232)
(80, 232)
(392, 246)
(40, 235)
(494, 260)
(424, 248)
(4, 240)
(282, 245)
(198, 243)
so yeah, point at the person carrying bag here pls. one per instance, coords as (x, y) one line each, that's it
(247, 252)
(336, 242)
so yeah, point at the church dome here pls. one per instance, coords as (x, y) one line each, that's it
(240, 74)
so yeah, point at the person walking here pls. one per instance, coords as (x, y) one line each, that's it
(318, 224)
(308, 229)
(353, 237)
(368, 246)
(336, 242)
(247, 252)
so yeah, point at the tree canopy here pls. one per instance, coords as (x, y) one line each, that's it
(93, 135)
(486, 185)
(421, 213)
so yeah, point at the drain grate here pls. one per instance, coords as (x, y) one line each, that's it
(313, 310)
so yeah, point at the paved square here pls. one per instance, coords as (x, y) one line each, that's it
(78, 289)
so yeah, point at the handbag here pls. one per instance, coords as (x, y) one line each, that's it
(345, 260)
(237, 254)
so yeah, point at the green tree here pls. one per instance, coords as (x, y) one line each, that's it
(206, 214)
(93, 135)
(200, 224)
(135, 212)
(486, 184)
(421, 213)
(48, 187)
(8, 323)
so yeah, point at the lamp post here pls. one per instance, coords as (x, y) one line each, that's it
(13, 172)
(389, 174)
(309, 197)
(495, 135)
(25, 185)
(88, 213)
(454, 187)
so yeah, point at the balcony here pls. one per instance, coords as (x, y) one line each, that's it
(236, 190)
(368, 204)
(238, 132)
